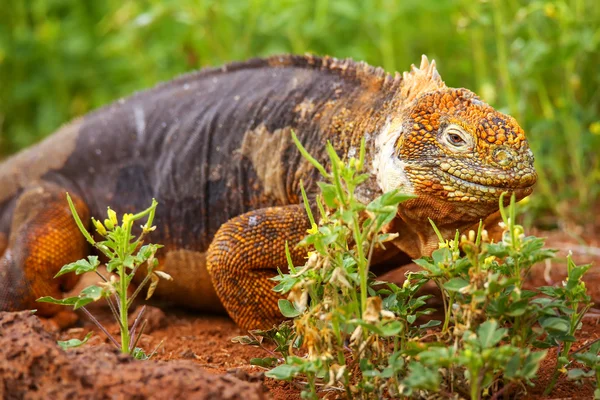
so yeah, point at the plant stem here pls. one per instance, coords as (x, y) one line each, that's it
(311, 382)
(579, 350)
(114, 311)
(501, 391)
(109, 301)
(555, 374)
(123, 310)
(475, 385)
(139, 335)
(447, 303)
(136, 322)
(99, 325)
(138, 289)
(362, 268)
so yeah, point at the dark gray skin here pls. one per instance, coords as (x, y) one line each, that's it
(180, 143)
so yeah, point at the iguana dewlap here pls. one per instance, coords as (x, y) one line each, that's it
(214, 148)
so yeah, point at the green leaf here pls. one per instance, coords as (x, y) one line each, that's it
(90, 294)
(456, 284)
(532, 364)
(347, 216)
(113, 264)
(129, 261)
(385, 207)
(497, 249)
(512, 367)
(441, 256)
(93, 292)
(145, 252)
(426, 265)
(69, 301)
(306, 155)
(391, 329)
(80, 225)
(80, 266)
(267, 362)
(430, 324)
(421, 377)
(518, 308)
(68, 344)
(555, 325)
(329, 194)
(286, 284)
(82, 302)
(390, 199)
(287, 308)
(489, 335)
(589, 358)
(575, 274)
(247, 340)
(139, 354)
(435, 356)
(283, 371)
(578, 373)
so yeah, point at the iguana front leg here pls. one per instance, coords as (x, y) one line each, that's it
(246, 252)
(43, 237)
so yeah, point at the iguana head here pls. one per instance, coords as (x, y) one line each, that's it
(452, 150)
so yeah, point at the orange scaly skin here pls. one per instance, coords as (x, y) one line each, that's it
(43, 236)
(214, 148)
(255, 241)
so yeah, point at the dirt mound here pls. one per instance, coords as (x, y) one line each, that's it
(33, 366)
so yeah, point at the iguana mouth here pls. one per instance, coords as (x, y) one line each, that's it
(464, 190)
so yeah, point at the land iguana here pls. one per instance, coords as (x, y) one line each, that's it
(214, 148)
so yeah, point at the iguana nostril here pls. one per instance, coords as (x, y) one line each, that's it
(504, 156)
(528, 179)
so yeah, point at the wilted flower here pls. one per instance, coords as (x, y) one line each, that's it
(338, 277)
(299, 296)
(336, 373)
(373, 312)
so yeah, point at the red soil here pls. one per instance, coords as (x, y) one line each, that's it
(198, 358)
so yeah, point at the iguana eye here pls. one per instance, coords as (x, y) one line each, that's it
(456, 139)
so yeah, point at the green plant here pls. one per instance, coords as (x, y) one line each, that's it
(125, 254)
(590, 360)
(344, 319)
(354, 336)
(574, 302)
(62, 58)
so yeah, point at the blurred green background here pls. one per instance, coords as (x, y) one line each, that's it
(537, 60)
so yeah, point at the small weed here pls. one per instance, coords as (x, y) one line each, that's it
(362, 339)
(574, 302)
(125, 255)
(590, 363)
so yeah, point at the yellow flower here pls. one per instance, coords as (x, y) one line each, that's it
(109, 225)
(99, 227)
(112, 215)
(313, 230)
(550, 11)
(595, 128)
(127, 218)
